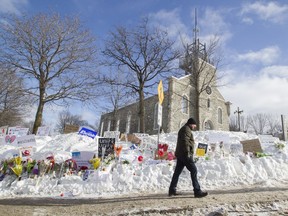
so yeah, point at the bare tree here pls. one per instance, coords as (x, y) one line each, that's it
(273, 124)
(201, 61)
(258, 122)
(117, 95)
(52, 54)
(12, 99)
(65, 117)
(146, 54)
(233, 124)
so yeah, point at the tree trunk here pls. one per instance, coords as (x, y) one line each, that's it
(39, 113)
(197, 117)
(141, 111)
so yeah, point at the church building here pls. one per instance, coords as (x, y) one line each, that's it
(179, 101)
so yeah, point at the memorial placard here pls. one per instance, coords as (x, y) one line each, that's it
(251, 146)
(107, 145)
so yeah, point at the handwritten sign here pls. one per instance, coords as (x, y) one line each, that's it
(108, 144)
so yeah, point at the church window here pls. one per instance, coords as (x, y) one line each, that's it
(208, 103)
(220, 115)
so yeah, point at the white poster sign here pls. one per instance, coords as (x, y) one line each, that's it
(43, 131)
(82, 158)
(26, 141)
(112, 134)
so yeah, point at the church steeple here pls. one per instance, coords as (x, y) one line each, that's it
(195, 50)
(195, 29)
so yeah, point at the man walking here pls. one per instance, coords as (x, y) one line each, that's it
(184, 154)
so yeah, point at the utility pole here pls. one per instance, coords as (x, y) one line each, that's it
(238, 112)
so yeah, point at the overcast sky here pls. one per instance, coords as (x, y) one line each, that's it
(253, 36)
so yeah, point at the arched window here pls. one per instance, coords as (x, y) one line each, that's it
(219, 115)
(208, 125)
(117, 124)
(155, 125)
(184, 104)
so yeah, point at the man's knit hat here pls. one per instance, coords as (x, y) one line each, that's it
(191, 121)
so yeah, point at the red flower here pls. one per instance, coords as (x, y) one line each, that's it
(140, 158)
(160, 152)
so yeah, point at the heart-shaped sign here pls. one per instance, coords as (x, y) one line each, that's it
(10, 139)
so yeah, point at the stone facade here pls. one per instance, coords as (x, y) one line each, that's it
(214, 111)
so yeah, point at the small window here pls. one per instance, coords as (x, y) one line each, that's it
(184, 104)
(219, 115)
(208, 103)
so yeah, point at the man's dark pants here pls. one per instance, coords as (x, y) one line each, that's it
(187, 162)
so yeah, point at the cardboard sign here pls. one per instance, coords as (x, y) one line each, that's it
(108, 144)
(43, 131)
(251, 146)
(70, 128)
(87, 132)
(201, 149)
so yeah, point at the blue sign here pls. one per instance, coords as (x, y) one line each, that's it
(87, 132)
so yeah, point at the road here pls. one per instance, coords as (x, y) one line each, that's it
(240, 201)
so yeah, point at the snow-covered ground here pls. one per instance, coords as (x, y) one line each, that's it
(137, 172)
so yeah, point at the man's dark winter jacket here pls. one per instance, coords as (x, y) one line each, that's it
(185, 142)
